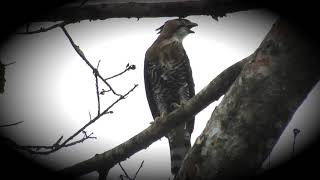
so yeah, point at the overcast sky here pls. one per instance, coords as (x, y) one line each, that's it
(52, 90)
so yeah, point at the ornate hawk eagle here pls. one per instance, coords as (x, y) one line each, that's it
(169, 83)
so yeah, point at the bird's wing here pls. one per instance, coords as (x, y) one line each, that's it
(149, 75)
(189, 78)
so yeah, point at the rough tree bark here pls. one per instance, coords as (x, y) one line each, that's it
(256, 109)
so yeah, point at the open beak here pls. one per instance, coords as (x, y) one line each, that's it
(191, 25)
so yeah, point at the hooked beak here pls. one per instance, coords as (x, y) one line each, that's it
(191, 25)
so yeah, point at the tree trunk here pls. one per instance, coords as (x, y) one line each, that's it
(256, 109)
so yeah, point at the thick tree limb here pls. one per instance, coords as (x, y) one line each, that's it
(215, 89)
(103, 9)
(246, 125)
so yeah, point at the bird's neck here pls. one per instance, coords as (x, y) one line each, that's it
(164, 41)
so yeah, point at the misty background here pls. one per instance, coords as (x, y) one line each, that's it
(52, 90)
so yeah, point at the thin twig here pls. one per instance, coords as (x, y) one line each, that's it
(10, 63)
(66, 143)
(124, 171)
(138, 170)
(56, 146)
(42, 29)
(126, 174)
(13, 124)
(128, 67)
(81, 54)
(97, 87)
(295, 134)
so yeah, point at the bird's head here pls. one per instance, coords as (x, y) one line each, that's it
(177, 27)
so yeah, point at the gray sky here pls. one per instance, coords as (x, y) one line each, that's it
(53, 91)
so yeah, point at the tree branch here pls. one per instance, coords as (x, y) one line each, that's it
(9, 64)
(126, 174)
(12, 124)
(68, 142)
(45, 29)
(141, 165)
(97, 87)
(124, 171)
(209, 94)
(128, 67)
(81, 54)
(103, 9)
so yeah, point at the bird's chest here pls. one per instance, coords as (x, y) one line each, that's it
(170, 59)
(172, 69)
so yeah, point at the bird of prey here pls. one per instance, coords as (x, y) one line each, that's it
(169, 83)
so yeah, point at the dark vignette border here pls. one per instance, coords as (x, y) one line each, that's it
(304, 14)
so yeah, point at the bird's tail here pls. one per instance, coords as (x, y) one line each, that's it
(179, 141)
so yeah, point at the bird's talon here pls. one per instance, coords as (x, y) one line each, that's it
(175, 105)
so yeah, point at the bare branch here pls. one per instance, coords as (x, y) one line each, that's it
(97, 86)
(56, 146)
(126, 174)
(90, 116)
(210, 93)
(42, 29)
(43, 150)
(10, 63)
(68, 142)
(12, 124)
(81, 54)
(141, 165)
(124, 171)
(295, 134)
(128, 67)
(103, 91)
